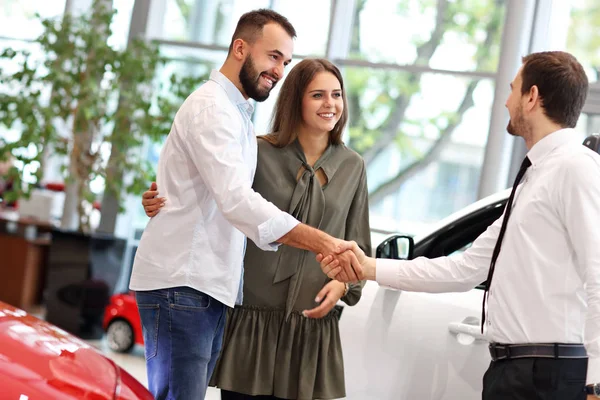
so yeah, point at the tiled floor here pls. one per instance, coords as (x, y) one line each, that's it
(134, 364)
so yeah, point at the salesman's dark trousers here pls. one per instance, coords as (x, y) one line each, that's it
(536, 379)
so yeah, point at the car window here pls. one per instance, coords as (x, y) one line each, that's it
(461, 250)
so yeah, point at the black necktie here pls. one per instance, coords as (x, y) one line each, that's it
(526, 164)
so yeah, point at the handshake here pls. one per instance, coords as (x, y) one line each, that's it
(349, 264)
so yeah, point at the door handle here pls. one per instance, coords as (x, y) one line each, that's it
(469, 327)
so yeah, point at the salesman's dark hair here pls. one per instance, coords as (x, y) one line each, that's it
(561, 82)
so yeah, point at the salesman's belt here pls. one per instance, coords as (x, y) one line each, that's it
(500, 351)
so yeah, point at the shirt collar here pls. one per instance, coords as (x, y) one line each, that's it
(232, 91)
(330, 161)
(547, 144)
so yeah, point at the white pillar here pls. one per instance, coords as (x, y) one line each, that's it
(340, 36)
(77, 6)
(340, 30)
(515, 44)
(156, 19)
(550, 31)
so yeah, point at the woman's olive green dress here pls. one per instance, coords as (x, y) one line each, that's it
(269, 347)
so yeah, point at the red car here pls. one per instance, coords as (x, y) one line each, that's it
(41, 361)
(122, 323)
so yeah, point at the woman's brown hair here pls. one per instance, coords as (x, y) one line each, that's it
(287, 116)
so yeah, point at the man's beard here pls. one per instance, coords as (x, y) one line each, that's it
(517, 126)
(511, 129)
(249, 78)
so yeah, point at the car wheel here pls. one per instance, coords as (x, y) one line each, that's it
(119, 336)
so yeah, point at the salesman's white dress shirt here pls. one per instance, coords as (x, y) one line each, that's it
(546, 285)
(205, 171)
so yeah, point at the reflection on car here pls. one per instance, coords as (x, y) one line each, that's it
(41, 361)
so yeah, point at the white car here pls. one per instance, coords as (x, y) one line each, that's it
(403, 345)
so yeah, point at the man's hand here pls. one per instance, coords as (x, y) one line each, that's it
(151, 203)
(328, 296)
(334, 270)
(348, 266)
(306, 237)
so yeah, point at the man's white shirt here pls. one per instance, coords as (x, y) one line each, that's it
(205, 172)
(546, 286)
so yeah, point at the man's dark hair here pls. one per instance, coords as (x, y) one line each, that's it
(251, 24)
(561, 82)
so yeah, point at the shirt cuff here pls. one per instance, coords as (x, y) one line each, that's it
(386, 272)
(273, 229)
(593, 371)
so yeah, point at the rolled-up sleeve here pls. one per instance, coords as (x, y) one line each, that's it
(214, 138)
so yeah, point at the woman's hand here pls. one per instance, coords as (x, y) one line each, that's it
(151, 203)
(328, 296)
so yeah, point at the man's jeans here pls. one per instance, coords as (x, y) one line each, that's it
(183, 333)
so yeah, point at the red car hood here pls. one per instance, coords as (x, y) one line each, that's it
(39, 359)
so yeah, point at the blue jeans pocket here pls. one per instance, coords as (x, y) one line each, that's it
(149, 314)
(186, 301)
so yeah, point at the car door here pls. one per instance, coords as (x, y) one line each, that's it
(402, 345)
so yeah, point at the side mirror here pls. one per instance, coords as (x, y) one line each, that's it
(397, 247)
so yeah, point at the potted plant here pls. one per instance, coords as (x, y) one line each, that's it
(89, 104)
(91, 107)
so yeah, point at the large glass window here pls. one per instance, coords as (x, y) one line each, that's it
(420, 78)
(583, 41)
(18, 20)
(423, 146)
(588, 124)
(311, 19)
(442, 35)
(419, 74)
(421, 128)
(584, 36)
(212, 22)
(121, 23)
